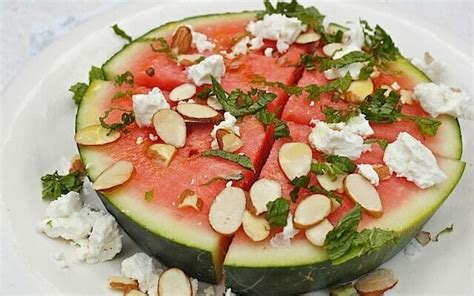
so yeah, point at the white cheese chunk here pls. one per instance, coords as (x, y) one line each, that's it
(368, 172)
(212, 66)
(355, 35)
(256, 43)
(359, 125)
(277, 27)
(409, 158)
(268, 51)
(240, 48)
(441, 99)
(201, 42)
(433, 68)
(145, 106)
(141, 268)
(229, 123)
(283, 239)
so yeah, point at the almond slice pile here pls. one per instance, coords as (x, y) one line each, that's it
(312, 210)
(362, 192)
(170, 127)
(197, 113)
(295, 159)
(113, 176)
(227, 210)
(95, 135)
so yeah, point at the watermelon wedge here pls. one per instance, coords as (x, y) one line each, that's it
(147, 204)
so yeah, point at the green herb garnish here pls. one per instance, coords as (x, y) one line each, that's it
(54, 185)
(164, 47)
(241, 159)
(96, 73)
(317, 189)
(350, 58)
(120, 94)
(383, 143)
(380, 45)
(149, 196)
(344, 242)
(381, 109)
(79, 90)
(280, 129)
(444, 231)
(335, 165)
(289, 89)
(338, 85)
(298, 183)
(337, 115)
(121, 33)
(278, 211)
(427, 126)
(126, 77)
(127, 118)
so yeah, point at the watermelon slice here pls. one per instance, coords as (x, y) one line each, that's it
(146, 205)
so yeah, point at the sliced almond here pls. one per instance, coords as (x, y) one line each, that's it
(262, 192)
(113, 176)
(163, 153)
(228, 141)
(387, 88)
(122, 283)
(329, 184)
(197, 113)
(376, 282)
(227, 210)
(423, 238)
(134, 293)
(362, 192)
(182, 39)
(334, 205)
(331, 48)
(174, 282)
(317, 234)
(214, 103)
(183, 92)
(406, 97)
(383, 171)
(77, 165)
(170, 127)
(256, 228)
(312, 210)
(309, 37)
(189, 199)
(375, 74)
(189, 59)
(358, 90)
(95, 135)
(295, 159)
(428, 58)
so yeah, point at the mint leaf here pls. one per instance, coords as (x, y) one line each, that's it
(350, 58)
(380, 45)
(366, 71)
(383, 143)
(427, 126)
(120, 94)
(289, 89)
(127, 118)
(55, 185)
(278, 211)
(164, 47)
(242, 160)
(96, 73)
(126, 77)
(337, 115)
(298, 183)
(344, 243)
(339, 85)
(336, 165)
(281, 130)
(149, 196)
(381, 109)
(121, 33)
(79, 90)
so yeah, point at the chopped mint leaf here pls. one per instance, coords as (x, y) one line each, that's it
(266, 117)
(280, 129)
(383, 143)
(50, 223)
(339, 85)
(298, 183)
(309, 16)
(126, 77)
(241, 159)
(55, 185)
(289, 89)
(337, 115)
(344, 243)
(127, 118)
(122, 33)
(444, 231)
(120, 94)
(381, 109)
(278, 211)
(309, 61)
(149, 196)
(332, 38)
(96, 73)
(366, 71)
(204, 94)
(350, 58)
(427, 126)
(380, 45)
(79, 90)
(164, 47)
(336, 165)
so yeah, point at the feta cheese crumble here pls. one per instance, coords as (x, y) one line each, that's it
(344, 139)
(95, 232)
(256, 43)
(141, 268)
(433, 68)
(409, 158)
(368, 172)
(268, 51)
(229, 123)
(283, 239)
(212, 66)
(441, 99)
(145, 106)
(240, 48)
(354, 35)
(201, 42)
(284, 30)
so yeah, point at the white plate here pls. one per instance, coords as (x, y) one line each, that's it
(38, 126)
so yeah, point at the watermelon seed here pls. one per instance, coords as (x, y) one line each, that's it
(150, 71)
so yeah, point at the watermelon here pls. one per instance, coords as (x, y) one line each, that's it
(146, 205)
